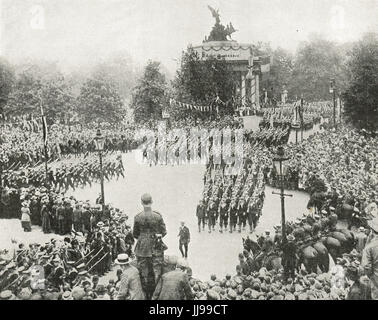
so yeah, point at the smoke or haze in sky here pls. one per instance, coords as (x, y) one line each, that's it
(80, 32)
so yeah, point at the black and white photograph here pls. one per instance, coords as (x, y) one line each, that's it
(188, 150)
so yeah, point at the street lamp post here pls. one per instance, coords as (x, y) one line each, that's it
(279, 161)
(99, 144)
(332, 90)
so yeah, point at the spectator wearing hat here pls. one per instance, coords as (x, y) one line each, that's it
(7, 295)
(67, 295)
(184, 239)
(101, 293)
(45, 214)
(149, 229)
(361, 238)
(244, 266)
(86, 218)
(289, 257)
(77, 218)
(174, 285)
(60, 212)
(68, 217)
(25, 217)
(358, 290)
(369, 261)
(130, 286)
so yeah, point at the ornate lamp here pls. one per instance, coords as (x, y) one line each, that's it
(279, 161)
(99, 141)
(332, 85)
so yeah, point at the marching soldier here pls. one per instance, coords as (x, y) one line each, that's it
(223, 213)
(233, 215)
(241, 214)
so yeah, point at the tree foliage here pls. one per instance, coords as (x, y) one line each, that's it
(280, 73)
(148, 97)
(316, 62)
(361, 95)
(99, 100)
(200, 81)
(35, 85)
(6, 82)
(119, 69)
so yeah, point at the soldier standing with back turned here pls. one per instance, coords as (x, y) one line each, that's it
(149, 229)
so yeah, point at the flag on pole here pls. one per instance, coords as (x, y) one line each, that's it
(44, 126)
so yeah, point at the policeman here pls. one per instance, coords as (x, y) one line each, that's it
(149, 229)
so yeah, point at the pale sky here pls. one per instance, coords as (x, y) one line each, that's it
(80, 32)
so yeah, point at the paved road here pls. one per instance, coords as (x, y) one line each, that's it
(176, 192)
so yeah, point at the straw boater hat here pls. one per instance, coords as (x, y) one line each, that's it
(7, 295)
(67, 295)
(122, 259)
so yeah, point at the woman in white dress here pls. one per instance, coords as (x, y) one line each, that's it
(25, 217)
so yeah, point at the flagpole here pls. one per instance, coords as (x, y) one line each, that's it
(44, 137)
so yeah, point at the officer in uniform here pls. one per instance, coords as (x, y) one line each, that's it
(212, 212)
(200, 213)
(149, 229)
(233, 211)
(242, 214)
(223, 213)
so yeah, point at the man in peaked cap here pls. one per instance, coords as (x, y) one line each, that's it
(149, 229)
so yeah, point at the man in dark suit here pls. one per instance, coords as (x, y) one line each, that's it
(174, 285)
(149, 229)
(184, 239)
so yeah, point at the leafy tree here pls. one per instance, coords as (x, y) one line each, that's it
(316, 62)
(6, 82)
(25, 97)
(280, 73)
(35, 85)
(58, 100)
(200, 81)
(99, 100)
(119, 69)
(361, 96)
(148, 96)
